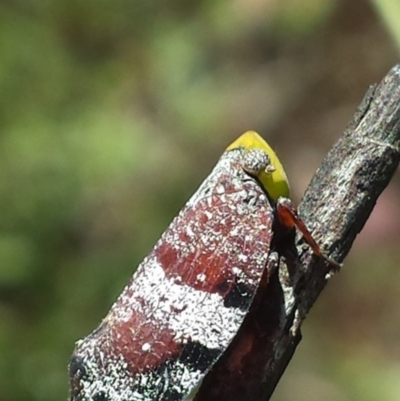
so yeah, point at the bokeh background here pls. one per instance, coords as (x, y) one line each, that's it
(113, 112)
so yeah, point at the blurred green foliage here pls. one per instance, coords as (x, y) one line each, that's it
(111, 113)
(390, 11)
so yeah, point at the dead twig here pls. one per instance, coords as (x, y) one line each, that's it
(336, 205)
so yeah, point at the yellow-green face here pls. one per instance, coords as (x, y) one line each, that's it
(275, 183)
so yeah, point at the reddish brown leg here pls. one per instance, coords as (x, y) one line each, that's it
(289, 218)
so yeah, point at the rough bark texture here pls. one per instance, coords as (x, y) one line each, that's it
(336, 205)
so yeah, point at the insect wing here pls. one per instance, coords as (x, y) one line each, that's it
(187, 300)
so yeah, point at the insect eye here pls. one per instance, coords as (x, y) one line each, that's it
(256, 161)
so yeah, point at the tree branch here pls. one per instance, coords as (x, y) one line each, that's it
(336, 205)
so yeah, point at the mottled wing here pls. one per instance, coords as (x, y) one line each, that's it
(187, 299)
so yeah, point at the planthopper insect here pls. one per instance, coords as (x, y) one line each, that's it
(190, 295)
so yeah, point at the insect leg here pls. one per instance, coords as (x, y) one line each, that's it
(289, 218)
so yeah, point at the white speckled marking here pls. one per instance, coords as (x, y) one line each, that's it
(118, 385)
(229, 218)
(187, 324)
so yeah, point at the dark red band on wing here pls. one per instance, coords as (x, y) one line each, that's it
(208, 244)
(188, 298)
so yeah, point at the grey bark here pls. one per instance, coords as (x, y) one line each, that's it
(336, 205)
